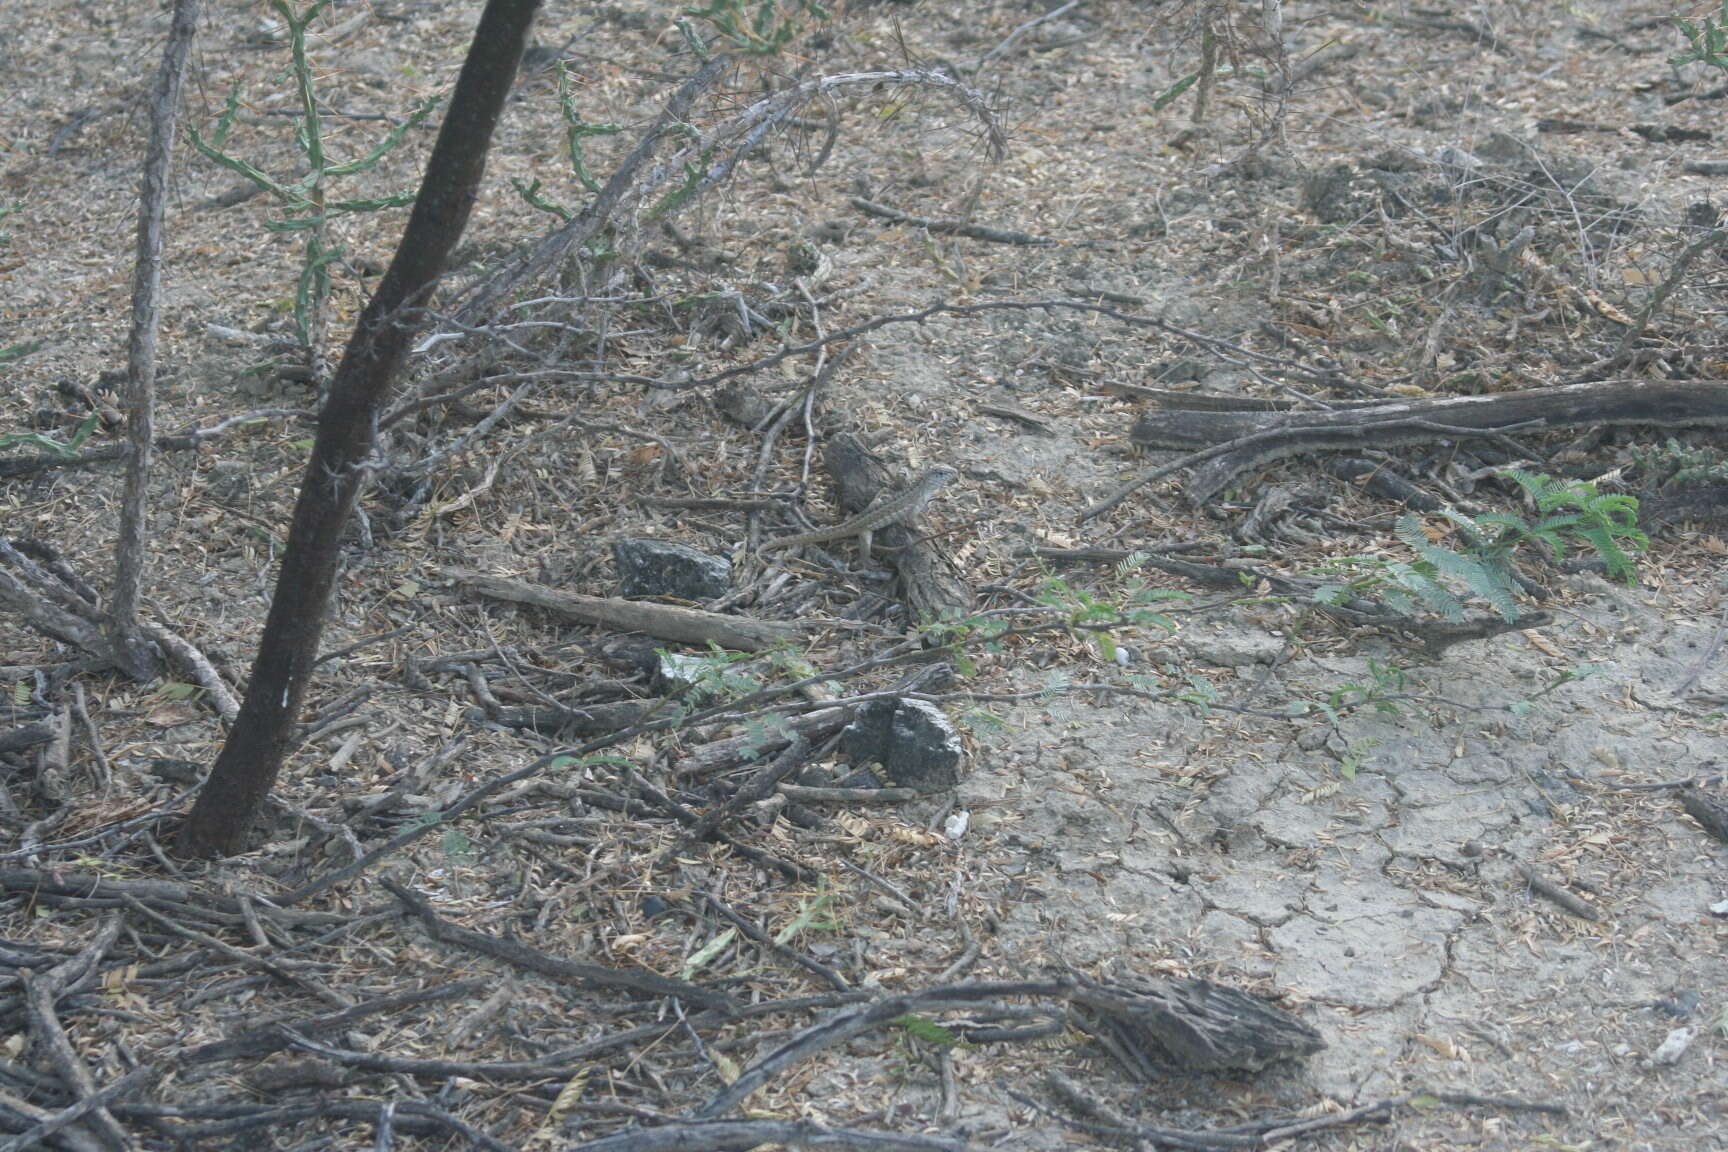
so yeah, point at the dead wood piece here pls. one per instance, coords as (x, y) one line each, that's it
(1555, 894)
(758, 787)
(927, 583)
(36, 1136)
(1181, 400)
(736, 751)
(665, 621)
(1383, 482)
(229, 1120)
(52, 620)
(197, 666)
(41, 992)
(265, 1039)
(86, 885)
(1711, 813)
(1705, 503)
(742, 1135)
(19, 1115)
(12, 466)
(281, 971)
(952, 227)
(1196, 1025)
(1225, 444)
(768, 943)
(1031, 420)
(27, 736)
(565, 971)
(585, 721)
(1655, 133)
(1213, 575)
(807, 794)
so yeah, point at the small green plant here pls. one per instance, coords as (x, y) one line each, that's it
(1674, 465)
(1098, 617)
(1569, 512)
(1385, 687)
(815, 914)
(1351, 762)
(1573, 675)
(925, 1029)
(718, 675)
(1708, 37)
(306, 203)
(1080, 612)
(12, 352)
(1223, 28)
(47, 443)
(761, 28)
(576, 130)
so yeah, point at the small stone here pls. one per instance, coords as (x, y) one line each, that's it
(1673, 1047)
(229, 481)
(658, 568)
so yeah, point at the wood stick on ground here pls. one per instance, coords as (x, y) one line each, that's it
(101, 1098)
(240, 956)
(952, 227)
(663, 621)
(564, 971)
(739, 1135)
(1230, 443)
(40, 994)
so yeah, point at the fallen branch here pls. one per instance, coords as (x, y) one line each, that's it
(663, 621)
(557, 968)
(741, 1135)
(1195, 1024)
(1229, 443)
(37, 1136)
(172, 442)
(951, 227)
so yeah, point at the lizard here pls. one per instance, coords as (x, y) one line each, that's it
(894, 507)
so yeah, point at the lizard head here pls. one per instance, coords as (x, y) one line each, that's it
(941, 475)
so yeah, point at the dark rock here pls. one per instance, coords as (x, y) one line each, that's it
(657, 568)
(912, 740)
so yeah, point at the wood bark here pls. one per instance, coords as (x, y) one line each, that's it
(131, 650)
(249, 762)
(1265, 437)
(663, 621)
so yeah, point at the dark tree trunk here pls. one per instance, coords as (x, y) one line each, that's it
(247, 768)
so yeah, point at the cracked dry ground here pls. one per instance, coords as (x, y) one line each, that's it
(1392, 904)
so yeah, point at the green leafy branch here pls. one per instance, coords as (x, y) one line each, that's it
(576, 130)
(50, 445)
(1439, 578)
(759, 29)
(306, 204)
(1708, 37)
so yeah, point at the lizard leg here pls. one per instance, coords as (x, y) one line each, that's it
(864, 547)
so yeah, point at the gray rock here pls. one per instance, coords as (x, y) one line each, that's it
(229, 481)
(912, 740)
(657, 568)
